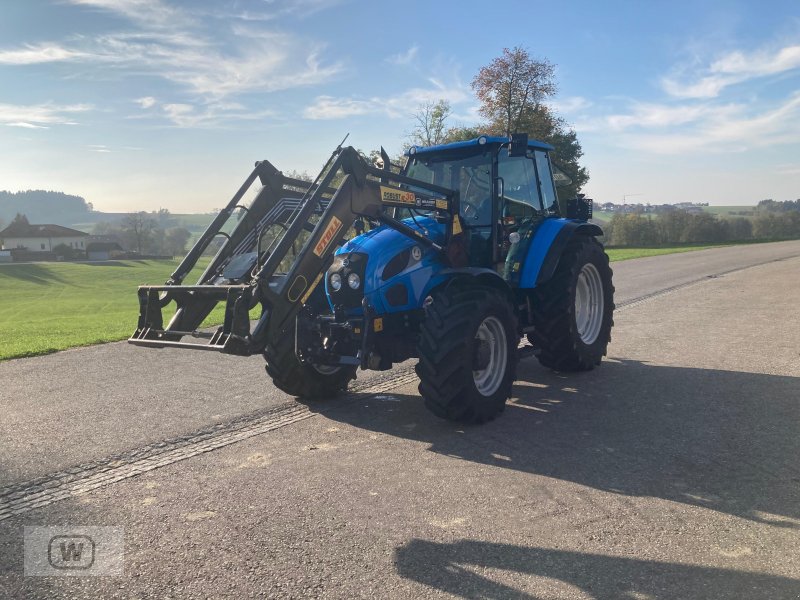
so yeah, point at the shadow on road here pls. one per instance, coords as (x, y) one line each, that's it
(727, 441)
(459, 568)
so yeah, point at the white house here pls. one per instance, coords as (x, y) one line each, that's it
(41, 238)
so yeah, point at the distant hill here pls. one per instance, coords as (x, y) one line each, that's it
(41, 206)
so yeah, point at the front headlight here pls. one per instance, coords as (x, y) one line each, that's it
(354, 281)
(336, 282)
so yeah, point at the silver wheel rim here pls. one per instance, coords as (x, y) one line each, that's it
(325, 369)
(492, 333)
(589, 304)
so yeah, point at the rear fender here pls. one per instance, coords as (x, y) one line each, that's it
(548, 245)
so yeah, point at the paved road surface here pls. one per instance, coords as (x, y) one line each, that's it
(670, 472)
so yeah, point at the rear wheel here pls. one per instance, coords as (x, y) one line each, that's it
(573, 312)
(467, 354)
(311, 382)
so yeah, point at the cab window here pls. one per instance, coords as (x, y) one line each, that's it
(520, 192)
(546, 181)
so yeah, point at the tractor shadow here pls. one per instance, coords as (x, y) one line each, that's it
(459, 568)
(723, 440)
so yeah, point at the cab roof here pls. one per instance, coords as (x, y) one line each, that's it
(478, 141)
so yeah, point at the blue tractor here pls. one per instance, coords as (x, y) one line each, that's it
(451, 260)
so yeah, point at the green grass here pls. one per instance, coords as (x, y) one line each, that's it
(48, 307)
(730, 211)
(616, 254)
(53, 306)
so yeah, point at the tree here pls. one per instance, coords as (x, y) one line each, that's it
(175, 240)
(430, 128)
(512, 90)
(512, 86)
(20, 218)
(139, 228)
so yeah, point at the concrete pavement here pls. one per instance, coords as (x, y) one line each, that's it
(670, 472)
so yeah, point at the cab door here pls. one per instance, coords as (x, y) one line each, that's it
(527, 197)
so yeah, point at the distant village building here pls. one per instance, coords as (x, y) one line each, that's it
(41, 238)
(103, 247)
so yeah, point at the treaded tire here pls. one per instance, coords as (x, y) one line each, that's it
(447, 350)
(304, 381)
(556, 335)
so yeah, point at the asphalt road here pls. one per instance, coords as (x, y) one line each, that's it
(670, 472)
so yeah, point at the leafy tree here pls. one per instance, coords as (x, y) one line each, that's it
(175, 240)
(460, 134)
(512, 86)
(431, 128)
(20, 218)
(512, 90)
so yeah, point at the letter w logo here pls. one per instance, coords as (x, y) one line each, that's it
(71, 551)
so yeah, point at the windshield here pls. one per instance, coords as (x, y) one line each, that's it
(470, 175)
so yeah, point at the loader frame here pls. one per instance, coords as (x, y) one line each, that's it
(246, 276)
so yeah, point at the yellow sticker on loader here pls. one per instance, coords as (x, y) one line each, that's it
(456, 225)
(389, 194)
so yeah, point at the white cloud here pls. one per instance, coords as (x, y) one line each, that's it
(732, 68)
(146, 102)
(328, 107)
(404, 58)
(211, 115)
(736, 129)
(149, 12)
(571, 105)
(401, 105)
(40, 115)
(39, 53)
(210, 60)
(26, 125)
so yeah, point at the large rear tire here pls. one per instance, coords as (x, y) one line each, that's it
(304, 381)
(467, 353)
(574, 311)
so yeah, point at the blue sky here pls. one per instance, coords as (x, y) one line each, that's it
(142, 104)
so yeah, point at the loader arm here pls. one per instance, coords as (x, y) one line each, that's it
(247, 277)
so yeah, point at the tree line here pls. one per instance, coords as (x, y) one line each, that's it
(154, 233)
(773, 221)
(40, 206)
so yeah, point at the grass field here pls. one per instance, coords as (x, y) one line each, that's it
(616, 254)
(53, 306)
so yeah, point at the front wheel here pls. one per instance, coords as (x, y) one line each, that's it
(573, 312)
(310, 382)
(467, 353)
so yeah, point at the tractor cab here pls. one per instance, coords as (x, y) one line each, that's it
(506, 190)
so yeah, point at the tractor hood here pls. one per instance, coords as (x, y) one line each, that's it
(384, 238)
(394, 269)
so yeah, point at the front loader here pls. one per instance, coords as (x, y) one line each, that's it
(450, 261)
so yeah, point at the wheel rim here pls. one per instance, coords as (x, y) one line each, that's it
(589, 303)
(325, 369)
(491, 338)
